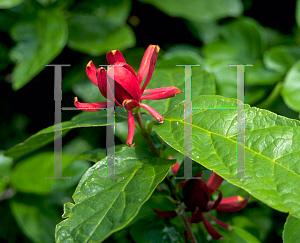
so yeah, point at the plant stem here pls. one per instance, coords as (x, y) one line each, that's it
(186, 222)
(138, 117)
(272, 97)
(181, 207)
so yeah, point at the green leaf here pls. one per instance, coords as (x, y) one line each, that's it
(40, 40)
(103, 206)
(281, 58)
(45, 136)
(88, 91)
(238, 235)
(10, 3)
(259, 75)
(199, 10)
(202, 83)
(156, 231)
(240, 40)
(98, 36)
(272, 151)
(115, 12)
(35, 217)
(291, 232)
(291, 88)
(172, 58)
(29, 175)
(5, 168)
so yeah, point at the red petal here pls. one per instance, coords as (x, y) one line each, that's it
(130, 104)
(232, 199)
(196, 217)
(232, 207)
(131, 127)
(165, 214)
(148, 65)
(153, 112)
(91, 106)
(102, 85)
(219, 222)
(182, 184)
(128, 82)
(91, 72)
(213, 204)
(175, 167)
(214, 182)
(163, 94)
(210, 229)
(114, 56)
(129, 68)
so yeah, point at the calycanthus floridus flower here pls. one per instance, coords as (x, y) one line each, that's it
(128, 90)
(196, 196)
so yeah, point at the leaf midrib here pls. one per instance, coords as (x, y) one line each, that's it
(209, 132)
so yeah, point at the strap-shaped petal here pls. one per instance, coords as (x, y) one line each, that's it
(114, 56)
(210, 229)
(97, 106)
(128, 82)
(219, 222)
(161, 93)
(91, 72)
(213, 204)
(214, 182)
(153, 112)
(130, 104)
(232, 207)
(148, 64)
(128, 67)
(131, 128)
(165, 214)
(102, 85)
(175, 167)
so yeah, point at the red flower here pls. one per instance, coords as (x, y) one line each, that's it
(196, 195)
(128, 92)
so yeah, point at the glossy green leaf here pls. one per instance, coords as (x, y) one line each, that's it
(39, 41)
(202, 83)
(10, 3)
(45, 136)
(29, 175)
(199, 10)
(291, 88)
(281, 58)
(98, 36)
(291, 232)
(238, 235)
(156, 231)
(95, 155)
(272, 148)
(103, 206)
(35, 217)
